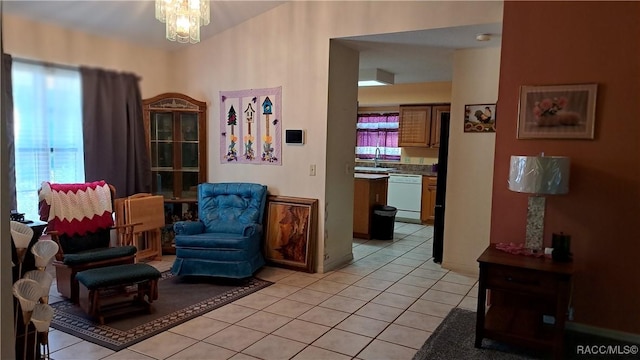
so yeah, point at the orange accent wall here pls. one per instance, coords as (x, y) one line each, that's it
(546, 43)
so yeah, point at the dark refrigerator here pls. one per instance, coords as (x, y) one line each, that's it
(441, 189)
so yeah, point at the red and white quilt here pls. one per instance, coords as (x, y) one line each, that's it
(75, 209)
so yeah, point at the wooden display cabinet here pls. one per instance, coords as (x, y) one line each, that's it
(176, 210)
(176, 133)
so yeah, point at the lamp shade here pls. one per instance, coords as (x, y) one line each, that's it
(41, 317)
(41, 277)
(43, 251)
(539, 174)
(21, 234)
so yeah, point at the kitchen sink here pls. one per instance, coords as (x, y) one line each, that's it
(373, 169)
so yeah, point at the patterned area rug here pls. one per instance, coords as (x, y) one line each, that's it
(179, 299)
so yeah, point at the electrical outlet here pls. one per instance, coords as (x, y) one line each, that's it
(312, 170)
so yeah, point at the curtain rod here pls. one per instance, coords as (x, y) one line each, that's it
(46, 63)
(55, 65)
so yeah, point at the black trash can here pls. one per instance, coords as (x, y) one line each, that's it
(384, 218)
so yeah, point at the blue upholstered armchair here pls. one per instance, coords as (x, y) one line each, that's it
(227, 239)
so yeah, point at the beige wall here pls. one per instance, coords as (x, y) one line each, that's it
(46, 42)
(342, 116)
(470, 165)
(289, 47)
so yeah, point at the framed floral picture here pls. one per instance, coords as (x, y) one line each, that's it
(480, 118)
(557, 112)
(291, 227)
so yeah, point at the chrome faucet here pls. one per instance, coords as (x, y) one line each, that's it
(376, 158)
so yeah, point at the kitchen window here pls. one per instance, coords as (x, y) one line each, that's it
(378, 131)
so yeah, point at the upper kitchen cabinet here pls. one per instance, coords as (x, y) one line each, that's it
(415, 126)
(175, 128)
(420, 125)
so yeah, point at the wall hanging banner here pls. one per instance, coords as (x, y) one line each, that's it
(251, 126)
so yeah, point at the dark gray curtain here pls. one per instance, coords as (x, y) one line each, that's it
(7, 107)
(115, 147)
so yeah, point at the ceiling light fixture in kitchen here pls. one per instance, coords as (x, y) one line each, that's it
(375, 77)
(183, 18)
(483, 37)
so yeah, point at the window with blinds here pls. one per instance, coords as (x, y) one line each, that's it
(47, 105)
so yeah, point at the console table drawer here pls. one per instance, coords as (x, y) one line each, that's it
(522, 280)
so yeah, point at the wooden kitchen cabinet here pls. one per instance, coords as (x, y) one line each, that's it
(369, 190)
(415, 126)
(427, 211)
(436, 123)
(420, 125)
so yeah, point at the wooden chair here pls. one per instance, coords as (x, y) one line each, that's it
(90, 246)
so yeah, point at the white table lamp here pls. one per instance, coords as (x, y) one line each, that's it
(539, 176)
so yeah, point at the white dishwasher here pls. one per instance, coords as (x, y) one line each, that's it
(405, 194)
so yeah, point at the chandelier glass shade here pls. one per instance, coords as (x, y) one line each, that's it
(183, 18)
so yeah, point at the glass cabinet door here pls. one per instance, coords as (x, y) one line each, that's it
(189, 138)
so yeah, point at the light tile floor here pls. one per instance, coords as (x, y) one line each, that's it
(383, 305)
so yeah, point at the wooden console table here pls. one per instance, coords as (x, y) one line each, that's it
(522, 290)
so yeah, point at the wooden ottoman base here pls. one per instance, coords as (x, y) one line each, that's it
(117, 290)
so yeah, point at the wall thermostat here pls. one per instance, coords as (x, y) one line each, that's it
(295, 137)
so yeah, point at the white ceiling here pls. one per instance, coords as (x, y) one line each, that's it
(417, 56)
(421, 56)
(132, 20)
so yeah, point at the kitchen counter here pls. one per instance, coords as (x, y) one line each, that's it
(396, 168)
(416, 172)
(369, 191)
(366, 175)
(370, 176)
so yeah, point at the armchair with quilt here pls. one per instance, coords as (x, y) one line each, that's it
(80, 219)
(226, 241)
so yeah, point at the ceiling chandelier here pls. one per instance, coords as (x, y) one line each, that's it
(183, 18)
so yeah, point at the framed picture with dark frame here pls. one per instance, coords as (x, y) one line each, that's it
(290, 237)
(480, 118)
(557, 112)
